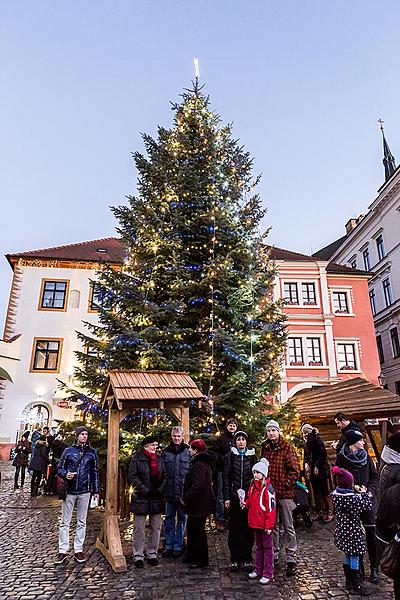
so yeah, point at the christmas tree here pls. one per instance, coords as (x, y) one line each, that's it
(195, 292)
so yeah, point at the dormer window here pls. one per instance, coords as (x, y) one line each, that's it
(101, 250)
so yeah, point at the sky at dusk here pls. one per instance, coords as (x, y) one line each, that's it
(303, 81)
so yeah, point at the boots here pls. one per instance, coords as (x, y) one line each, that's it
(374, 577)
(357, 587)
(347, 574)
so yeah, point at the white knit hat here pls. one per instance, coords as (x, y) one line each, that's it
(262, 467)
(273, 425)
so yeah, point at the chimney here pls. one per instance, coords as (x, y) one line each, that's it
(350, 225)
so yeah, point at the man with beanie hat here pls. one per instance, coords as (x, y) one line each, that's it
(354, 458)
(284, 470)
(390, 463)
(79, 467)
(222, 447)
(237, 476)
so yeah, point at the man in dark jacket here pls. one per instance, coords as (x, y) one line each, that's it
(238, 475)
(38, 464)
(176, 459)
(79, 467)
(147, 475)
(354, 458)
(388, 523)
(284, 470)
(222, 447)
(345, 424)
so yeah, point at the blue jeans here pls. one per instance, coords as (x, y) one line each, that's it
(174, 528)
(220, 508)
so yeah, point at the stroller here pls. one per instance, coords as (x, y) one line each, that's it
(302, 505)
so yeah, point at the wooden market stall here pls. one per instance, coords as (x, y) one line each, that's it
(373, 407)
(126, 391)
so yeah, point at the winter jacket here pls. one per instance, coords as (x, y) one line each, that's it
(83, 461)
(57, 449)
(222, 447)
(352, 426)
(148, 491)
(176, 463)
(284, 467)
(261, 504)
(360, 465)
(40, 457)
(23, 450)
(349, 534)
(238, 472)
(316, 456)
(198, 496)
(390, 469)
(388, 518)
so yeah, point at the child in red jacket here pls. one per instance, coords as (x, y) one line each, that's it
(262, 515)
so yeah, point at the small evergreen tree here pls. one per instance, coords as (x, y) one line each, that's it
(195, 292)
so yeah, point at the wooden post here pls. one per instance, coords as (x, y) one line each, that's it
(109, 542)
(185, 422)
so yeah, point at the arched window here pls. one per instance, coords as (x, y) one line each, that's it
(35, 417)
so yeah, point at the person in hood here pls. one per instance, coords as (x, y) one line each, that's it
(21, 459)
(390, 463)
(79, 467)
(238, 476)
(38, 464)
(345, 424)
(354, 458)
(222, 447)
(261, 506)
(198, 503)
(349, 536)
(284, 471)
(147, 475)
(176, 459)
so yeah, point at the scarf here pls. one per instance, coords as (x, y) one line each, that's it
(357, 459)
(152, 458)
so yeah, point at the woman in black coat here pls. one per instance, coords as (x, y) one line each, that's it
(317, 469)
(21, 460)
(198, 503)
(38, 464)
(147, 476)
(388, 523)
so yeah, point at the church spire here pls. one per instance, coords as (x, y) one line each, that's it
(388, 158)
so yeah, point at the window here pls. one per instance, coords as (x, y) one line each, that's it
(308, 293)
(387, 291)
(353, 264)
(397, 387)
(380, 247)
(367, 262)
(295, 351)
(46, 355)
(95, 297)
(372, 300)
(290, 293)
(91, 352)
(394, 336)
(380, 349)
(340, 302)
(346, 357)
(314, 352)
(53, 295)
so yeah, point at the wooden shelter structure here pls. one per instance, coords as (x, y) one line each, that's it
(372, 406)
(126, 391)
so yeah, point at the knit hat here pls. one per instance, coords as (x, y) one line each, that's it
(262, 467)
(353, 436)
(198, 445)
(307, 428)
(394, 442)
(344, 479)
(231, 420)
(240, 433)
(80, 430)
(150, 439)
(273, 425)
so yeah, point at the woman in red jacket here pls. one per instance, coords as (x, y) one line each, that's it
(262, 516)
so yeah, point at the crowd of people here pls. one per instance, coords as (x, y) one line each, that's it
(259, 498)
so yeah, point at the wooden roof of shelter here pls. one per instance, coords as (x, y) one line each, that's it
(356, 397)
(137, 389)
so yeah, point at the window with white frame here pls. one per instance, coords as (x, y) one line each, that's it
(308, 293)
(314, 351)
(346, 355)
(394, 336)
(353, 263)
(340, 302)
(295, 349)
(380, 246)
(387, 291)
(380, 349)
(366, 259)
(290, 292)
(372, 299)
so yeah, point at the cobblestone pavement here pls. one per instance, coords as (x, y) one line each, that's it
(28, 544)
